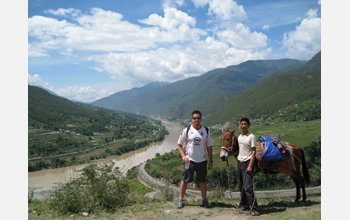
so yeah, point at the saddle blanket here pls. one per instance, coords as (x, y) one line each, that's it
(281, 166)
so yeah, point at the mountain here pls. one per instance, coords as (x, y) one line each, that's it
(51, 111)
(313, 65)
(290, 96)
(112, 101)
(179, 98)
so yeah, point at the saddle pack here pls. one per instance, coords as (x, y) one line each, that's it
(271, 151)
(271, 159)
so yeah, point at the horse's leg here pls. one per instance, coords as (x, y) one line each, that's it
(299, 153)
(302, 183)
(306, 176)
(303, 187)
(297, 186)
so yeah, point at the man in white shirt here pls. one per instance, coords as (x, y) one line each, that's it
(198, 141)
(246, 157)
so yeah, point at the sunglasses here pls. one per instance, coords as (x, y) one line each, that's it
(197, 118)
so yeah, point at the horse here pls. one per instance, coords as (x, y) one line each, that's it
(229, 147)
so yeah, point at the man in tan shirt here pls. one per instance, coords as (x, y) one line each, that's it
(246, 157)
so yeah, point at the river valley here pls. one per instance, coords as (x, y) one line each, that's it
(46, 179)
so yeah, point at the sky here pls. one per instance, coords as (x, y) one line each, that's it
(88, 50)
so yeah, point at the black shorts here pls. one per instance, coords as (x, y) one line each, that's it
(200, 168)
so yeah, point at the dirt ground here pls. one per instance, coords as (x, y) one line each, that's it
(221, 210)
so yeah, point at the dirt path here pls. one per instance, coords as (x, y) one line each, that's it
(221, 210)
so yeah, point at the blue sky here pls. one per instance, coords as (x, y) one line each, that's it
(87, 50)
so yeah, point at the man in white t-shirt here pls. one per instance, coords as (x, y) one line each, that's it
(246, 157)
(198, 142)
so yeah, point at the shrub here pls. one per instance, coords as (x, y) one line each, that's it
(99, 187)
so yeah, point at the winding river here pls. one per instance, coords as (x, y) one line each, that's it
(48, 178)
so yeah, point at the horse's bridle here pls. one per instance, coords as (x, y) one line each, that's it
(230, 148)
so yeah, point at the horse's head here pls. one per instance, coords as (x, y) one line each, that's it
(229, 145)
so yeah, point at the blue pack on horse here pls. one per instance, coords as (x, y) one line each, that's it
(293, 165)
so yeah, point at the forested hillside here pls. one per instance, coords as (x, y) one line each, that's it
(62, 133)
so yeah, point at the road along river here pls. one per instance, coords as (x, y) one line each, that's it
(45, 179)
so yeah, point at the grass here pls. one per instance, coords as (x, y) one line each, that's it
(298, 133)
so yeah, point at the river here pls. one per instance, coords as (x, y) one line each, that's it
(45, 179)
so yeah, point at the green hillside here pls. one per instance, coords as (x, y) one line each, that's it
(45, 109)
(289, 97)
(177, 99)
(63, 133)
(277, 95)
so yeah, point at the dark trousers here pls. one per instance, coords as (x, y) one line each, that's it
(247, 193)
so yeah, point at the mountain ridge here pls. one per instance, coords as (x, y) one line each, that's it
(176, 99)
(112, 101)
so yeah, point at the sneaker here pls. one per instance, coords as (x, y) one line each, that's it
(254, 213)
(180, 204)
(206, 204)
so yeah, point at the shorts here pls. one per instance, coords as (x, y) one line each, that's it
(200, 168)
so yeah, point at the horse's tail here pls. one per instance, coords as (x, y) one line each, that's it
(305, 170)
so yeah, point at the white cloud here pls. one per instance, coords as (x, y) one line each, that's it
(172, 3)
(107, 31)
(67, 52)
(266, 27)
(97, 69)
(35, 80)
(305, 41)
(227, 10)
(172, 19)
(64, 12)
(240, 37)
(80, 93)
(230, 29)
(34, 51)
(200, 3)
(174, 63)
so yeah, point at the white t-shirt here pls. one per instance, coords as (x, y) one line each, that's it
(246, 143)
(197, 142)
